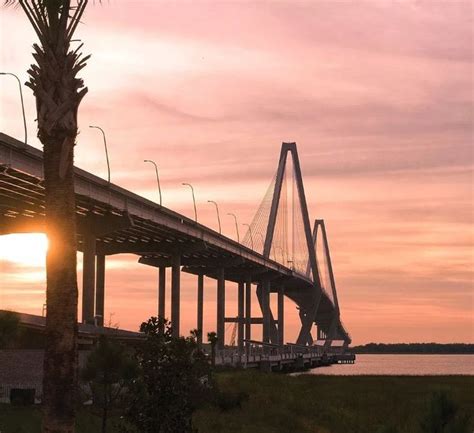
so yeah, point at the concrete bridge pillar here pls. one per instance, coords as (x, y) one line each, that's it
(281, 315)
(175, 294)
(248, 308)
(88, 278)
(100, 289)
(200, 308)
(162, 294)
(240, 310)
(265, 291)
(221, 308)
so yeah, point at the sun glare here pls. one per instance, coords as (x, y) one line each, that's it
(25, 249)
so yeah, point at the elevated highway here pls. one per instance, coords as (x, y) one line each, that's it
(112, 220)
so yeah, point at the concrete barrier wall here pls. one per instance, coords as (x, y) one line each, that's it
(24, 369)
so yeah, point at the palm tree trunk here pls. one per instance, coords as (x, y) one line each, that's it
(58, 94)
(60, 372)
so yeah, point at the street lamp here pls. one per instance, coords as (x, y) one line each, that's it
(194, 200)
(250, 232)
(106, 151)
(218, 216)
(157, 177)
(236, 226)
(22, 103)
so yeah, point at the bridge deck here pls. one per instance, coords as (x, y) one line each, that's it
(124, 222)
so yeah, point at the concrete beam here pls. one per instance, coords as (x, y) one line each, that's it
(248, 307)
(100, 290)
(162, 292)
(221, 309)
(165, 248)
(101, 225)
(265, 296)
(21, 224)
(175, 294)
(88, 280)
(240, 310)
(281, 316)
(200, 308)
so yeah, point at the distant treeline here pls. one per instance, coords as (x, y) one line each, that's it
(453, 348)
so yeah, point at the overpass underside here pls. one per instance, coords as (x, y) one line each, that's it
(112, 220)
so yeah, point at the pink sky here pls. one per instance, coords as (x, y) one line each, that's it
(378, 96)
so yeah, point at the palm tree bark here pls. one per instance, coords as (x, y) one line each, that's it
(60, 362)
(58, 93)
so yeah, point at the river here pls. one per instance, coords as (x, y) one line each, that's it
(412, 365)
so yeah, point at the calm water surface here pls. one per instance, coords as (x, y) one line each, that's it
(412, 365)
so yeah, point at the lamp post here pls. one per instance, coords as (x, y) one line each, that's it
(22, 103)
(236, 226)
(218, 216)
(194, 200)
(106, 151)
(157, 177)
(250, 232)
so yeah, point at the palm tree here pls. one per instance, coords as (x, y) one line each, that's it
(58, 93)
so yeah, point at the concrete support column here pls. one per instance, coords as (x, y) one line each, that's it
(281, 316)
(161, 291)
(162, 296)
(200, 308)
(240, 310)
(265, 287)
(248, 308)
(100, 289)
(220, 308)
(88, 279)
(175, 294)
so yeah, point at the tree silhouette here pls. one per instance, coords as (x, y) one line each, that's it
(173, 381)
(9, 328)
(443, 415)
(212, 339)
(109, 369)
(58, 93)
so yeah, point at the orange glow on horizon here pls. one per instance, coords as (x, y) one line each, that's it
(24, 249)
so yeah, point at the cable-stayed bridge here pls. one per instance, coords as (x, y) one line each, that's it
(281, 254)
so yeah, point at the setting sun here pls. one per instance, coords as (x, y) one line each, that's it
(25, 249)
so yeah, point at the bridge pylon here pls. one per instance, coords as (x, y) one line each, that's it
(281, 242)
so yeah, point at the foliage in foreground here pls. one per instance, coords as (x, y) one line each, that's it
(274, 403)
(9, 328)
(173, 381)
(109, 370)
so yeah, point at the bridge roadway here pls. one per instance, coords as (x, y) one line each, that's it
(112, 220)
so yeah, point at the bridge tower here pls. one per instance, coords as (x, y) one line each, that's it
(299, 242)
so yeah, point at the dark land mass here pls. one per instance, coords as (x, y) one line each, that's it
(416, 348)
(278, 403)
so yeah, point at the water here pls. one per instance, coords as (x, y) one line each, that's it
(411, 365)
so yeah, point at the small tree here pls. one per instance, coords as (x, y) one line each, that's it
(109, 369)
(9, 328)
(212, 339)
(172, 381)
(443, 415)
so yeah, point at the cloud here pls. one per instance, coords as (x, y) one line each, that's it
(378, 96)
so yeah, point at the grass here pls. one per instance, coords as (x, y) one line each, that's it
(28, 420)
(298, 404)
(330, 404)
